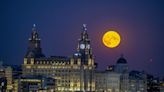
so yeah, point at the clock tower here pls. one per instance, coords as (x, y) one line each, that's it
(84, 47)
(86, 62)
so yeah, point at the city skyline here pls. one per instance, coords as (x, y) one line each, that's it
(76, 73)
(59, 33)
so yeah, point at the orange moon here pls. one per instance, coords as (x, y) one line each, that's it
(111, 39)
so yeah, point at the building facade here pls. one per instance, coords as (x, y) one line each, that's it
(121, 67)
(34, 84)
(75, 73)
(107, 81)
(137, 81)
(153, 84)
(6, 78)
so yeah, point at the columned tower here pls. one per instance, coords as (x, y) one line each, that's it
(84, 59)
(84, 47)
(34, 49)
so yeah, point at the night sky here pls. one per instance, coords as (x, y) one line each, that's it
(139, 22)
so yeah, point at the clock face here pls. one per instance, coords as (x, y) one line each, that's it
(82, 46)
(88, 46)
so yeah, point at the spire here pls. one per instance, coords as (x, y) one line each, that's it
(85, 27)
(34, 34)
(34, 47)
(84, 34)
(34, 27)
(84, 42)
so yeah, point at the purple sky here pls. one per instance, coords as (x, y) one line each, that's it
(139, 22)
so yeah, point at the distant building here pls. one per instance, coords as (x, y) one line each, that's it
(153, 84)
(9, 77)
(114, 79)
(6, 74)
(121, 67)
(3, 84)
(107, 81)
(137, 81)
(162, 85)
(75, 73)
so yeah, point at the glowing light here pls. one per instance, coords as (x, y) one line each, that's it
(111, 39)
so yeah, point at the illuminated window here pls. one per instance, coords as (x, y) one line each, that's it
(89, 61)
(25, 60)
(32, 60)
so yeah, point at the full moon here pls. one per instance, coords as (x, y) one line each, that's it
(111, 39)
